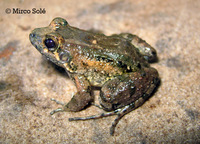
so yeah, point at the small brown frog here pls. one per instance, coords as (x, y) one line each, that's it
(118, 64)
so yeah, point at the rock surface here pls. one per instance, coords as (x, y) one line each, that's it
(28, 81)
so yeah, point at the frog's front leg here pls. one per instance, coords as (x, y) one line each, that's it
(81, 99)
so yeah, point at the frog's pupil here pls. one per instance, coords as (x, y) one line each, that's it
(50, 44)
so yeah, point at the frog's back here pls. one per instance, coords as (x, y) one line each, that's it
(125, 50)
(111, 48)
(94, 55)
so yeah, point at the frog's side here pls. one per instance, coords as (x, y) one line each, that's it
(118, 64)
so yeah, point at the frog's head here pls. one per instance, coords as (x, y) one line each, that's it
(49, 41)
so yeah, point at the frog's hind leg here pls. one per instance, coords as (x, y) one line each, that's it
(145, 49)
(119, 112)
(95, 116)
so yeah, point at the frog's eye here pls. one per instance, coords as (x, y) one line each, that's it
(58, 22)
(50, 44)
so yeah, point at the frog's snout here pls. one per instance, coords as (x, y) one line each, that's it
(31, 36)
(35, 40)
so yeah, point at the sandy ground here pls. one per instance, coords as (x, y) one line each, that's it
(28, 81)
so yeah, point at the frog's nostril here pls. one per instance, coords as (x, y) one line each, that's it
(32, 35)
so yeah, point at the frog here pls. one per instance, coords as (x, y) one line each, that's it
(119, 65)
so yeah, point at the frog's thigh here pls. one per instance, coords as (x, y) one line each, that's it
(116, 92)
(128, 88)
(82, 97)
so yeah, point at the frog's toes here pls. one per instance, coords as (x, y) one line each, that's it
(56, 110)
(58, 102)
(59, 109)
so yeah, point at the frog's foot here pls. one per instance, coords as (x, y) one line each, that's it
(100, 116)
(59, 109)
(77, 103)
(119, 112)
(56, 110)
